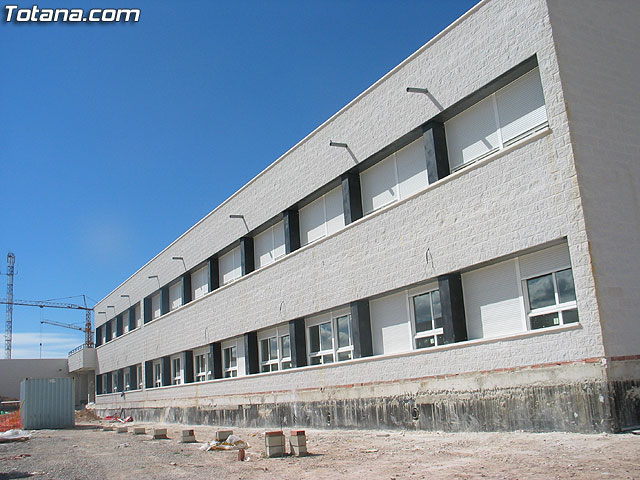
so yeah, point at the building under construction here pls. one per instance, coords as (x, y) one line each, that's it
(455, 249)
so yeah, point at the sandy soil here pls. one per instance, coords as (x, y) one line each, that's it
(87, 453)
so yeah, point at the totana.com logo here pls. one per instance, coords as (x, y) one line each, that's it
(35, 14)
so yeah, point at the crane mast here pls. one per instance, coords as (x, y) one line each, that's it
(8, 326)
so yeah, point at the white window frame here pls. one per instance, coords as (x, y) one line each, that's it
(178, 301)
(557, 307)
(335, 351)
(127, 380)
(177, 370)
(157, 373)
(201, 376)
(280, 362)
(496, 117)
(325, 222)
(229, 371)
(436, 333)
(125, 321)
(270, 232)
(114, 328)
(139, 375)
(156, 312)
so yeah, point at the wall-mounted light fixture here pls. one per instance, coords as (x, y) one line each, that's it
(156, 277)
(126, 296)
(103, 313)
(417, 90)
(182, 259)
(338, 144)
(243, 219)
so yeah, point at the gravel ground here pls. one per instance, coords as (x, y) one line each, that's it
(87, 453)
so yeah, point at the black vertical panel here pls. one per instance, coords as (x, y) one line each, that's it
(251, 353)
(98, 336)
(121, 380)
(148, 374)
(291, 230)
(133, 375)
(435, 149)
(99, 385)
(351, 197)
(246, 251)
(166, 371)
(147, 310)
(215, 350)
(107, 331)
(187, 360)
(186, 288)
(119, 326)
(109, 382)
(361, 329)
(297, 342)
(132, 318)
(164, 300)
(214, 273)
(454, 324)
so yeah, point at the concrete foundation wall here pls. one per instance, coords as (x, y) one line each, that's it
(13, 371)
(599, 65)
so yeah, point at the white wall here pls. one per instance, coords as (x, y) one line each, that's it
(13, 371)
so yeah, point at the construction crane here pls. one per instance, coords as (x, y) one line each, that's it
(63, 325)
(88, 331)
(8, 326)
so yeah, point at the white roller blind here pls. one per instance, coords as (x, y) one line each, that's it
(312, 225)
(472, 133)
(278, 240)
(334, 210)
(411, 163)
(492, 301)
(545, 261)
(521, 106)
(175, 295)
(379, 185)
(263, 247)
(156, 305)
(199, 282)
(230, 265)
(390, 326)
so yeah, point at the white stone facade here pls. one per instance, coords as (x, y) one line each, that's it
(523, 198)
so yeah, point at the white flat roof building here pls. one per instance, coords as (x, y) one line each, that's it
(467, 262)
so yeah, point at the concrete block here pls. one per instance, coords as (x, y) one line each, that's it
(122, 429)
(187, 436)
(138, 430)
(159, 433)
(274, 443)
(299, 451)
(108, 428)
(298, 443)
(278, 451)
(222, 435)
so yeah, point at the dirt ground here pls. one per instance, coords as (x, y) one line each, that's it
(88, 453)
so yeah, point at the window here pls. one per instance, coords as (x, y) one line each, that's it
(200, 282)
(230, 362)
(321, 217)
(114, 382)
(127, 380)
(269, 245)
(114, 329)
(201, 364)
(175, 295)
(497, 121)
(427, 319)
(330, 338)
(275, 349)
(551, 299)
(125, 321)
(156, 306)
(230, 266)
(157, 373)
(176, 370)
(398, 176)
(140, 378)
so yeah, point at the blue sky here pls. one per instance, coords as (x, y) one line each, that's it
(116, 138)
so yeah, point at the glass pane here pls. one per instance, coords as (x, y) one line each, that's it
(265, 368)
(422, 311)
(326, 342)
(437, 310)
(570, 316)
(273, 348)
(285, 346)
(327, 358)
(234, 373)
(566, 289)
(314, 339)
(232, 363)
(344, 339)
(344, 356)
(286, 365)
(540, 290)
(315, 360)
(440, 339)
(543, 321)
(264, 350)
(274, 367)
(425, 342)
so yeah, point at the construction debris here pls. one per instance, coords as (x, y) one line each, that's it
(222, 435)
(14, 435)
(232, 442)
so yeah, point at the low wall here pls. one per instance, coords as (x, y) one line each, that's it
(13, 371)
